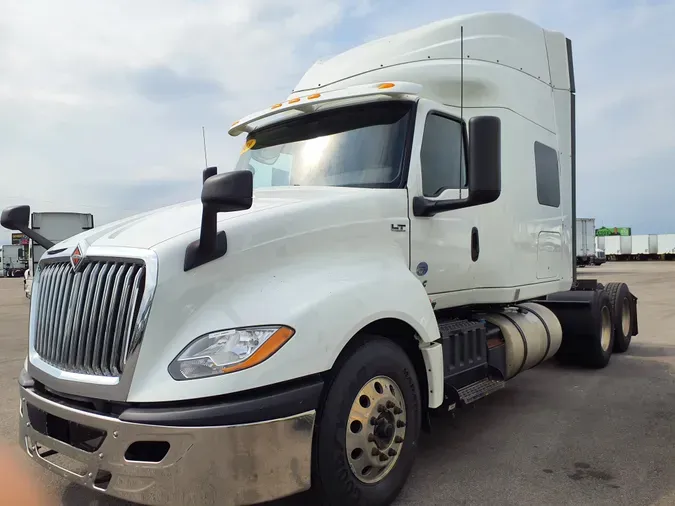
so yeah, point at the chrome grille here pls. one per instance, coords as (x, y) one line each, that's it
(87, 320)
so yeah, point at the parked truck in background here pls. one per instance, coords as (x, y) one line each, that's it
(585, 241)
(54, 226)
(13, 261)
(600, 256)
(397, 239)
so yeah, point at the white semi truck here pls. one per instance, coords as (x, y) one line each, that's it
(396, 240)
(13, 262)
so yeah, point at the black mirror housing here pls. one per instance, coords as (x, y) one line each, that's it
(484, 169)
(231, 191)
(221, 193)
(15, 217)
(485, 159)
(18, 218)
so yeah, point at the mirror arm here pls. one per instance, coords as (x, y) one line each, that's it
(196, 256)
(211, 244)
(32, 234)
(423, 206)
(11, 221)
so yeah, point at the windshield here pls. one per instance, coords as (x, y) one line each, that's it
(361, 146)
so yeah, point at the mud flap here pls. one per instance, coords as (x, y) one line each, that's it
(634, 315)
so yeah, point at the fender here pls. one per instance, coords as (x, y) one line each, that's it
(326, 296)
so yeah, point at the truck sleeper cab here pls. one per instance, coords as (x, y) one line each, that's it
(397, 239)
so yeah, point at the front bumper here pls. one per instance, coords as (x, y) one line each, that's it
(225, 465)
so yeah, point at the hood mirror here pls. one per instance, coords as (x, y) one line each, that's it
(18, 218)
(231, 191)
(221, 193)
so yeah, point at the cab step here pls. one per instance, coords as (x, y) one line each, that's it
(479, 389)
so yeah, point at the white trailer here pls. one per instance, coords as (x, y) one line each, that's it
(644, 246)
(585, 241)
(666, 244)
(612, 246)
(55, 227)
(625, 245)
(639, 245)
(406, 250)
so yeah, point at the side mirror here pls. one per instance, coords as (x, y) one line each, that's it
(18, 218)
(485, 159)
(15, 218)
(221, 193)
(232, 191)
(484, 169)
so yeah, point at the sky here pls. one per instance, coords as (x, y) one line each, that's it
(102, 103)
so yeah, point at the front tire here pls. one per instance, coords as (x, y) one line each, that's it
(367, 435)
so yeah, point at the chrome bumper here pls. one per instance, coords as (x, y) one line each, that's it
(224, 466)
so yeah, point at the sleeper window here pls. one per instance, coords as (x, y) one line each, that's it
(548, 178)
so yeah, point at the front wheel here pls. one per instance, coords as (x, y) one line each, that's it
(368, 431)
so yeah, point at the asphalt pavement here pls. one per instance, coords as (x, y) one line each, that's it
(554, 436)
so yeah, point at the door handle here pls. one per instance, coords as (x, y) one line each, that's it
(475, 244)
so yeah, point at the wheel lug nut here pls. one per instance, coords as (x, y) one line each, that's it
(375, 452)
(383, 457)
(400, 424)
(390, 404)
(371, 438)
(391, 452)
(398, 439)
(373, 420)
(380, 408)
(397, 410)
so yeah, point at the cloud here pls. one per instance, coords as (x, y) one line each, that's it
(103, 102)
(163, 84)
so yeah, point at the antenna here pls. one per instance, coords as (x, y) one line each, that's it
(461, 101)
(206, 162)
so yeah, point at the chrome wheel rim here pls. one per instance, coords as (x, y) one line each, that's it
(375, 429)
(625, 317)
(606, 332)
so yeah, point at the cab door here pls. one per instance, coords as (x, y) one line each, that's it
(441, 245)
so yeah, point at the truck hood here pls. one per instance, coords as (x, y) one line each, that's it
(148, 230)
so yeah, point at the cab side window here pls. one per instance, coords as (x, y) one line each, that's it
(443, 155)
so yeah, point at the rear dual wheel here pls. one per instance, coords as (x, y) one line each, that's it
(588, 333)
(367, 435)
(622, 311)
(597, 351)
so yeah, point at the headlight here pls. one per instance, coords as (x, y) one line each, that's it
(228, 351)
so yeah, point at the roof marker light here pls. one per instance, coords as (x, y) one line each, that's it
(276, 106)
(294, 101)
(385, 86)
(312, 97)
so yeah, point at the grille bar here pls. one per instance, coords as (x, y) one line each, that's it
(87, 320)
